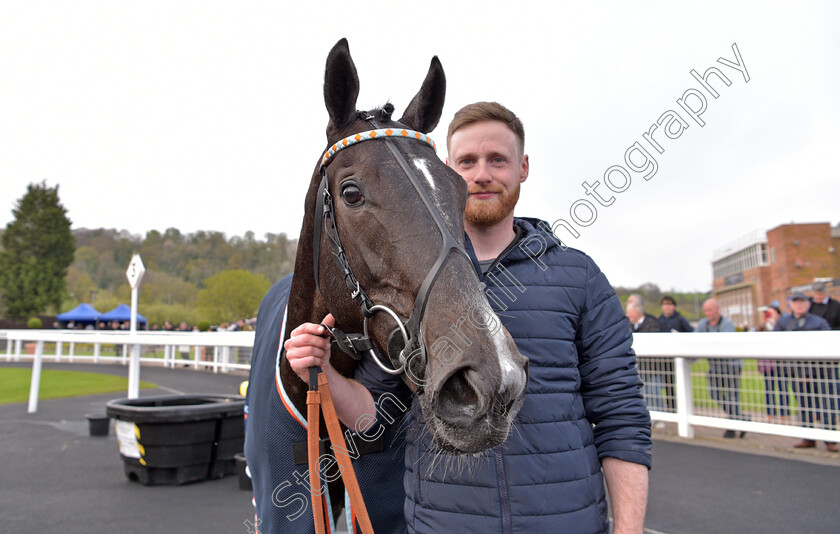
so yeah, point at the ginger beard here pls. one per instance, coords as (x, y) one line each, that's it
(487, 212)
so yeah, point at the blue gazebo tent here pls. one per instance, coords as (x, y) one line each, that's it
(120, 313)
(83, 313)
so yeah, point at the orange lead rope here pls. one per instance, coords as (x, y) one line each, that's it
(318, 398)
(313, 416)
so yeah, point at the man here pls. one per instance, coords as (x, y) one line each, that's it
(825, 306)
(813, 400)
(724, 374)
(637, 298)
(583, 412)
(651, 372)
(640, 321)
(671, 320)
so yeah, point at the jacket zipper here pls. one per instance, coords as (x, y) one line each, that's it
(505, 253)
(503, 492)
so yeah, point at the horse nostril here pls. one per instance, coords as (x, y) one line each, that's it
(459, 401)
(512, 389)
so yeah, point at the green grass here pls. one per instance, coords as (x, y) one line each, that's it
(15, 382)
(752, 388)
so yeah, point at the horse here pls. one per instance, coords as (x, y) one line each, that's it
(381, 248)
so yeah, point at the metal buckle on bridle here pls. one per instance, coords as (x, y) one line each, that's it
(401, 326)
(352, 344)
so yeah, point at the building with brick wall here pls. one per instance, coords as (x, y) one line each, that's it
(765, 267)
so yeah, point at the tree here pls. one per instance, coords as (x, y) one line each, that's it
(232, 295)
(38, 248)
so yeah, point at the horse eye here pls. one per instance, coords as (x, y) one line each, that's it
(352, 195)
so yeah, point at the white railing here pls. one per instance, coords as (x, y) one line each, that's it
(675, 367)
(805, 363)
(220, 351)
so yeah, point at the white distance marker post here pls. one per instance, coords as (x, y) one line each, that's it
(135, 275)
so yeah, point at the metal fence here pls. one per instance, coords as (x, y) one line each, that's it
(780, 383)
(219, 351)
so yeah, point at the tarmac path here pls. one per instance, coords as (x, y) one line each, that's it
(54, 477)
(700, 489)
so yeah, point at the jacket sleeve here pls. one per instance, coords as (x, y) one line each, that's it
(610, 383)
(390, 394)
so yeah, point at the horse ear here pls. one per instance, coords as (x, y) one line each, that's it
(341, 86)
(423, 113)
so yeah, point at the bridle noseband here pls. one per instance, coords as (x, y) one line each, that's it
(355, 344)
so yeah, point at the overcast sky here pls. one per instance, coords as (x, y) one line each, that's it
(210, 116)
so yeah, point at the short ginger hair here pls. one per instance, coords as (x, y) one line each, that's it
(486, 111)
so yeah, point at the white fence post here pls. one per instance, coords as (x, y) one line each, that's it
(35, 385)
(685, 397)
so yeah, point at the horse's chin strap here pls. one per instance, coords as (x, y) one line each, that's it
(319, 398)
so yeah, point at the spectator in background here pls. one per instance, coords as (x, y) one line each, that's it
(671, 321)
(775, 373)
(184, 350)
(724, 374)
(635, 297)
(648, 369)
(813, 399)
(639, 320)
(825, 306)
(829, 309)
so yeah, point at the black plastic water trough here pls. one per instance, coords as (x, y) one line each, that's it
(177, 439)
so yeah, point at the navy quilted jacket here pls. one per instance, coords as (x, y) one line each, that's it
(583, 403)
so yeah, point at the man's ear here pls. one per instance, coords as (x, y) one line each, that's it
(524, 169)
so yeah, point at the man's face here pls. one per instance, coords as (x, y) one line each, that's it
(668, 308)
(486, 154)
(819, 296)
(712, 312)
(632, 314)
(800, 307)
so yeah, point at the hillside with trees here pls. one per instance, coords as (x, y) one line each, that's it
(205, 276)
(188, 276)
(202, 277)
